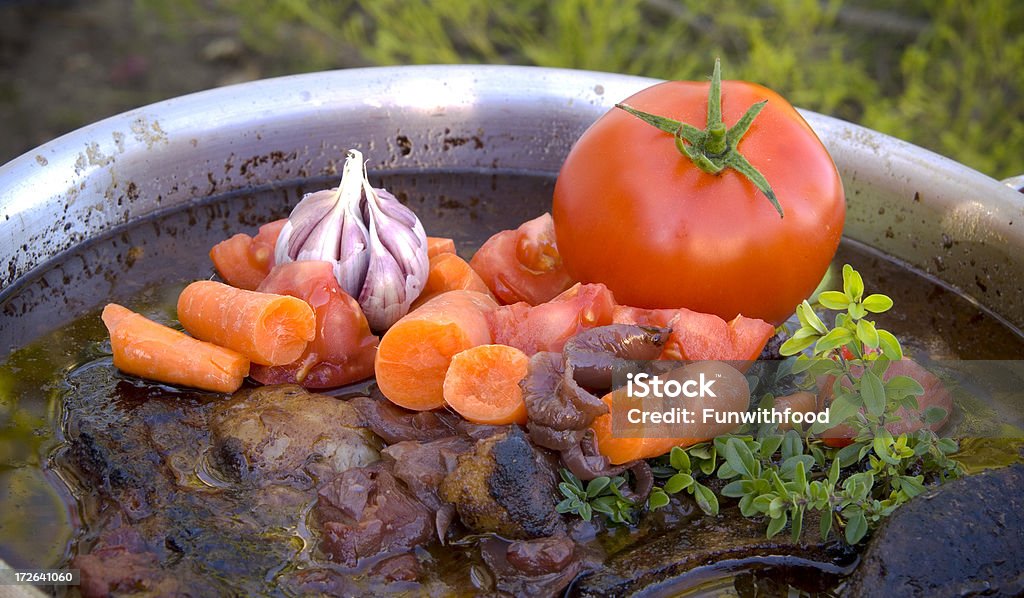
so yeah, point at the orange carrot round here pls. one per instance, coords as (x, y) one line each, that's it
(150, 350)
(482, 384)
(449, 272)
(414, 354)
(268, 329)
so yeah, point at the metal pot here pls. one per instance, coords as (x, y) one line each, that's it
(939, 217)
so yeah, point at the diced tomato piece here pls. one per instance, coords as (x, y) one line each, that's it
(546, 327)
(697, 337)
(936, 394)
(439, 245)
(244, 261)
(523, 264)
(344, 348)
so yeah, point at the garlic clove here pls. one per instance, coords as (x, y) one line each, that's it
(383, 297)
(353, 257)
(398, 259)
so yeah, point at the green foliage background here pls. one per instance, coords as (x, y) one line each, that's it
(944, 74)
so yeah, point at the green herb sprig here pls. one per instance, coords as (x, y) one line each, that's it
(600, 495)
(679, 472)
(782, 477)
(857, 354)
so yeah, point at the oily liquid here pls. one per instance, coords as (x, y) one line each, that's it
(51, 324)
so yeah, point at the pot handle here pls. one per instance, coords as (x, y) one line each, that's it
(1017, 182)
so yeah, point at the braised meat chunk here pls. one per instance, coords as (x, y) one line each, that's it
(366, 512)
(505, 486)
(276, 434)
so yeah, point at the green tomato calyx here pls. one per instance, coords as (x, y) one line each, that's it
(716, 147)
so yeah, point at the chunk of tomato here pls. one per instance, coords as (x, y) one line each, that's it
(546, 327)
(244, 261)
(344, 348)
(701, 337)
(523, 264)
(909, 421)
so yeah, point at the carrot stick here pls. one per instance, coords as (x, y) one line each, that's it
(626, 448)
(414, 354)
(643, 440)
(482, 384)
(439, 245)
(149, 350)
(449, 272)
(268, 329)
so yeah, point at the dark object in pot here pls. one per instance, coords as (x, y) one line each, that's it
(685, 555)
(366, 511)
(277, 434)
(506, 487)
(964, 538)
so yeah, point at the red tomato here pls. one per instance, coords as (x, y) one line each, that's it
(632, 212)
(936, 394)
(699, 337)
(546, 327)
(244, 261)
(523, 264)
(344, 348)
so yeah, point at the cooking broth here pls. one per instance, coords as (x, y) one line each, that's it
(58, 372)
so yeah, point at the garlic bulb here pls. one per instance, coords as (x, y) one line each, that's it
(377, 245)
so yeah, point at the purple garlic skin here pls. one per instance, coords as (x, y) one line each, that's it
(377, 246)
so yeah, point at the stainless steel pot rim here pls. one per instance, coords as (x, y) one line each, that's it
(940, 217)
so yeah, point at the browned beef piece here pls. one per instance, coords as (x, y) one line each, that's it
(541, 567)
(424, 465)
(121, 563)
(506, 486)
(142, 449)
(403, 567)
(541, 556)
(395, 424)
(276, 434)
(366, 512)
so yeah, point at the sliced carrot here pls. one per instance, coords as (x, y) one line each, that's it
(482, 384)
(439, 245)
(640, 439)
(153, 351)
(625, 448)
(414, 354)
(449, 272)
(244, 261)
(268, 329)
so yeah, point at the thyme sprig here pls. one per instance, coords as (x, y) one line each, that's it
(600, 495)
(782, 477)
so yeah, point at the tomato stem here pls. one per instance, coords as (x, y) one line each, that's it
(716, 147)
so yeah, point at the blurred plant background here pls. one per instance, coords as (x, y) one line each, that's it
(944, 74)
